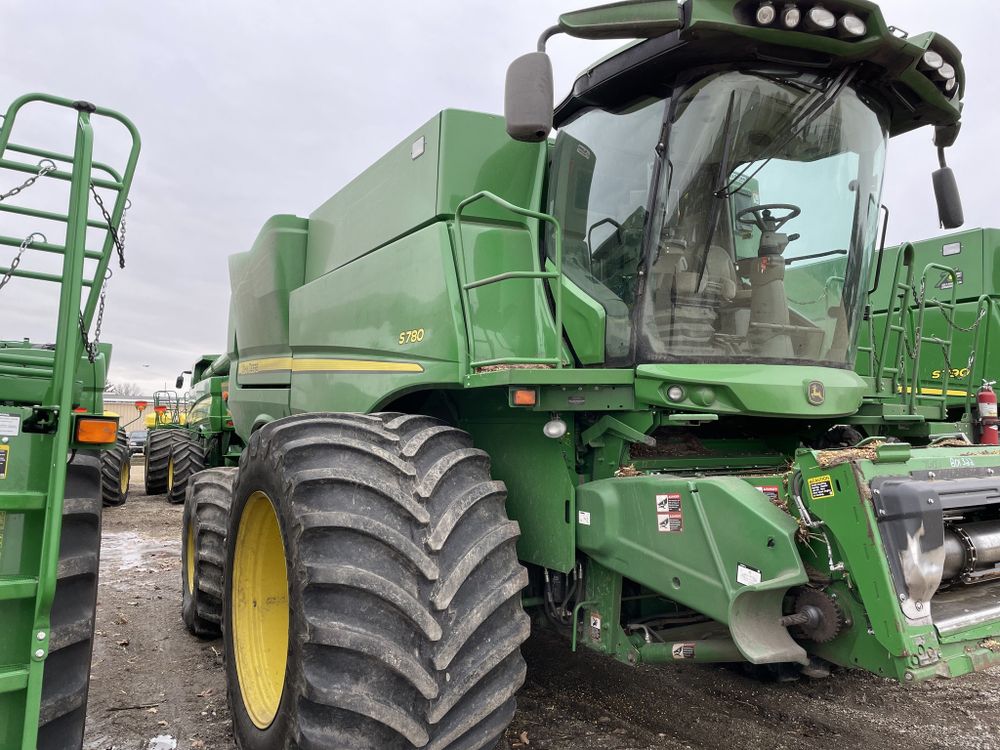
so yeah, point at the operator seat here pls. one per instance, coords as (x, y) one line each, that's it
(684, 311)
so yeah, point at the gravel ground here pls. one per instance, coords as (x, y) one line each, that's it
(151, 678)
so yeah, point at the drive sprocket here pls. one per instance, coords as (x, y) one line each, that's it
(831, 621)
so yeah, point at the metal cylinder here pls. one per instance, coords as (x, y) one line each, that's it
(978, 541)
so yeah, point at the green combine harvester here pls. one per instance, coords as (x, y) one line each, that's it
(947, 288)
(601, 382)
(52, 421)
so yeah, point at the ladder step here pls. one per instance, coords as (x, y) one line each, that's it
(17, 587)
(21, 501)
(13, 678)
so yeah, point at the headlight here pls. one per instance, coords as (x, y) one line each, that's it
(820, 19)
(852, 26)
(766, 14)
(931, 60)
(675, 393)
(946, 71)
(791, 17)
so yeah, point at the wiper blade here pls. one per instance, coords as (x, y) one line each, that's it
(815, 105)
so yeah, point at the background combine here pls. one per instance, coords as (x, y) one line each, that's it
(51, 409)
(602, 383)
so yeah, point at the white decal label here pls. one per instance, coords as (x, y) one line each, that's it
(682, 650)
(952, 248)
(987, 410)
(669, 517)
(10, 425)
(418, 147)
(748, 576)
(583, 517)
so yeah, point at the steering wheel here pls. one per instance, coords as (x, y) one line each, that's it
(762, 218)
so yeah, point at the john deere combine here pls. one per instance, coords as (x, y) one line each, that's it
(603, 377)
(52, 422)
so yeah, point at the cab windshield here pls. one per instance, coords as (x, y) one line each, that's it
(734, 223)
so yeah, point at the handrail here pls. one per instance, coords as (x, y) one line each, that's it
(537, 273)
(984, 305)
(919, 338)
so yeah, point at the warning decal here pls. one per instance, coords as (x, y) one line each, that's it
(10, 425)
(3, 526)
(821, 487)
(771, 491)
(682, 650)
(4, 456)
(595, 627)
(748, 576)
(669, 518)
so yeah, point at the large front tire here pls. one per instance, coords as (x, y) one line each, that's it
(66, 681)
(372, 595)
(116, 469)
(203, 549)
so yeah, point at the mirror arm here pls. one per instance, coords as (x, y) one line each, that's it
(548, 34)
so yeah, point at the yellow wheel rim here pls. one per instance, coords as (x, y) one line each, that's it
(124, 476)
(170, 474)
(189, 556)
(260, 610)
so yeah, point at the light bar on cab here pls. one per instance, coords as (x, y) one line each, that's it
(817, 19)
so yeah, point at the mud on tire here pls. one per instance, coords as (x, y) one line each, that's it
(115, 471)
(66, 681)
(403, 583)
(206, 516)
(158, 445)
(188, 456)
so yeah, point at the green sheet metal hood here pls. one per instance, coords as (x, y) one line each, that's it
(794, 391)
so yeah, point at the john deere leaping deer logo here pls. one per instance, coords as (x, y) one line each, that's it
(816, 393)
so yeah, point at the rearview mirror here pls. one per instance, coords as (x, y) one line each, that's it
(528, 98)
(180, 382)
(949, 200)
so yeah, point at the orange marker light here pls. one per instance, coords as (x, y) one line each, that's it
(96, 430)
(524, 397)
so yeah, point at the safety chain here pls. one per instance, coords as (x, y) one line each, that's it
(25, 244)
(119, 240)
(44, 167)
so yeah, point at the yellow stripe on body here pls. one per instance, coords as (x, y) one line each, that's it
(934, 392)
(288, 364)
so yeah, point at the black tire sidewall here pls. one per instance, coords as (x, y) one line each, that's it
(188, 613)
(255, 475)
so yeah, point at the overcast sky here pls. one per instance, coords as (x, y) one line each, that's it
(251, 108)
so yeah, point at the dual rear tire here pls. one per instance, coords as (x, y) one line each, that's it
(116, 465)
(203, 545)
(372, 588)
(173, 456)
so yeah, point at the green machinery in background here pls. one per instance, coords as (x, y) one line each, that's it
(946, 288)
(200, 435)
(52, 423)
(167, 444)
(603, 377)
